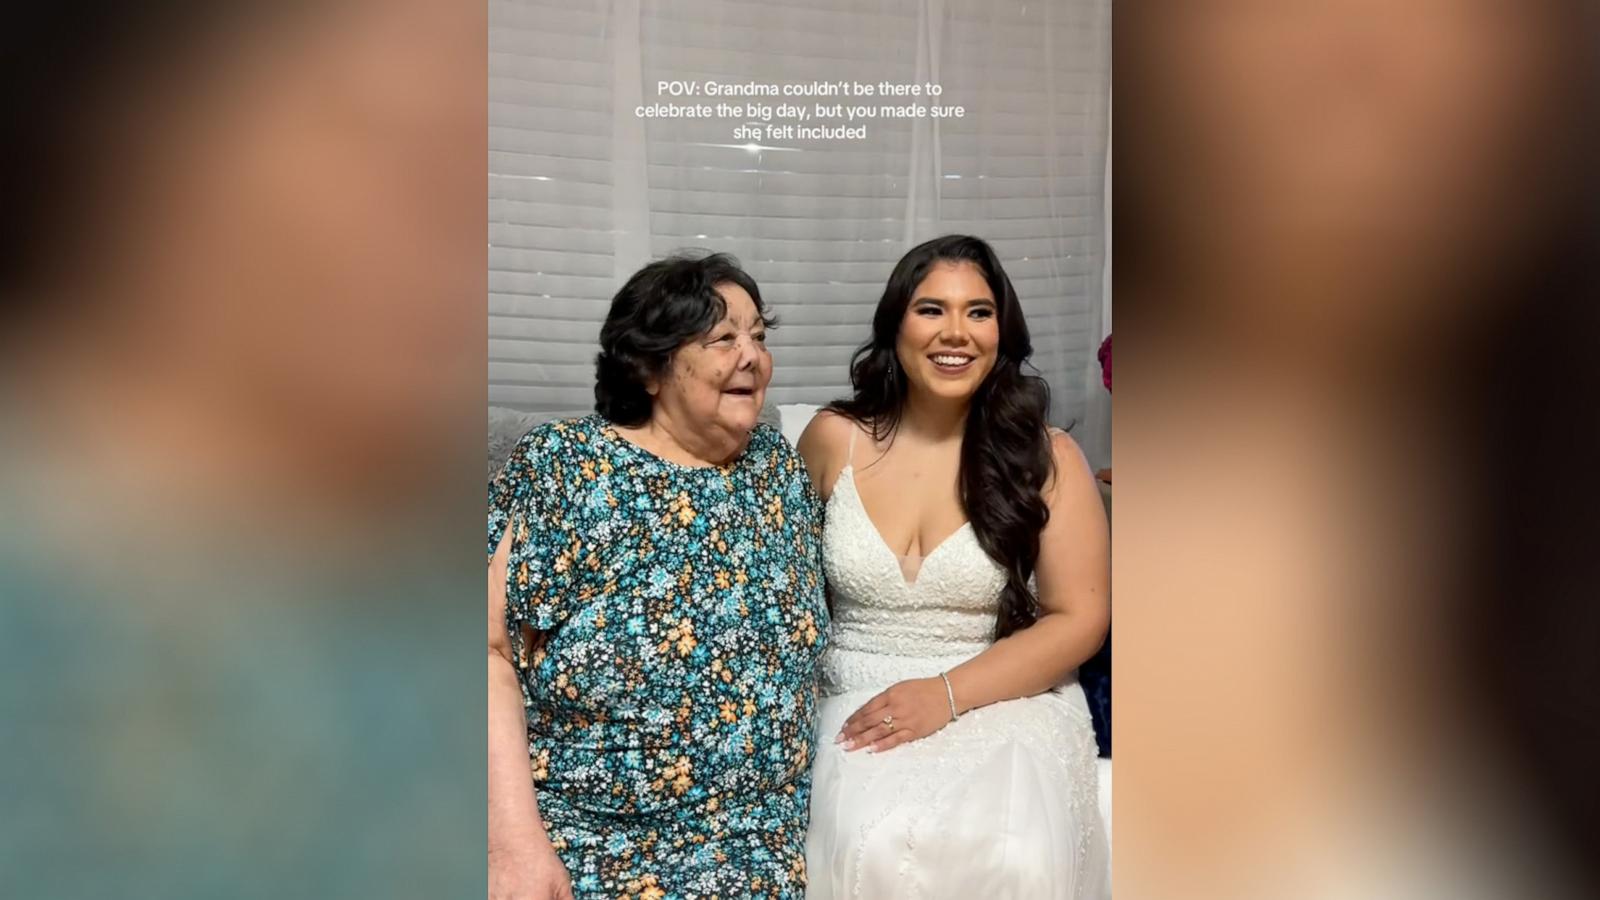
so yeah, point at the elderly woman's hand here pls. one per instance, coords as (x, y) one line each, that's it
(533, 873)
(904, 712)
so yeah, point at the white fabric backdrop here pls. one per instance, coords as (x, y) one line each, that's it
(582, 192)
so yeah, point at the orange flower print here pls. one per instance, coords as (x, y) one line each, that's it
(645, 888)
(728, 714)
(681, 507)
(806, 632)
(682, 783)
(685, 638)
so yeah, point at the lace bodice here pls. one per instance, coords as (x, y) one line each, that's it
(886, 628)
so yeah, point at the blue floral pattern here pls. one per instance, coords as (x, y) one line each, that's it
(665, 622)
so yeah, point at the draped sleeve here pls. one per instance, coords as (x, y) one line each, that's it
(528, 498)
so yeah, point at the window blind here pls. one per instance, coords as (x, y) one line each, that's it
(581, 192)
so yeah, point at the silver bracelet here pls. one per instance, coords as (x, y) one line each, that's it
(950, 692)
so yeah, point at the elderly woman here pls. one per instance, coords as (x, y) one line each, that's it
(656, 611)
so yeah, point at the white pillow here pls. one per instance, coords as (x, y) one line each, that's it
(796, 416)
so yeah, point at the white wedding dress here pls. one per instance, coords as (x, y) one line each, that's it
(999, 804)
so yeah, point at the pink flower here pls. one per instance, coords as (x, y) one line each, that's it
(1105, 362)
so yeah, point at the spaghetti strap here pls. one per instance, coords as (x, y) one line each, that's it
(850, 453)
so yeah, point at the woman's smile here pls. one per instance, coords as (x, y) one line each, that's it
(951, 363)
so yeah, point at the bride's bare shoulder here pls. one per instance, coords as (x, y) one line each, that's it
(1069, 465)
(823, 445)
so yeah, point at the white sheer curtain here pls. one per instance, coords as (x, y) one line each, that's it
(582, 192)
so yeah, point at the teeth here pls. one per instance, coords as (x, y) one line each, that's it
(951, 360)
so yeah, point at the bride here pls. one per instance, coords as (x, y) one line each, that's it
(955, 754)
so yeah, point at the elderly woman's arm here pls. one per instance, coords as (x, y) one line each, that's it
(1074, 579)
(522, 864)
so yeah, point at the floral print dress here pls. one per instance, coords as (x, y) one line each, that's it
(665, 622)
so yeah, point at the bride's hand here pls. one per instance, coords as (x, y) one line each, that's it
(905, 712)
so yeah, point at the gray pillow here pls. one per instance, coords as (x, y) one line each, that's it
(770, 414)
(506, 427)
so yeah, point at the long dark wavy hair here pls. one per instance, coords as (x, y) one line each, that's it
(1005, 453)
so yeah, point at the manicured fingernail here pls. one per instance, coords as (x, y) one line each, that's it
(838, 738)
(873, 749)
(849, 745)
